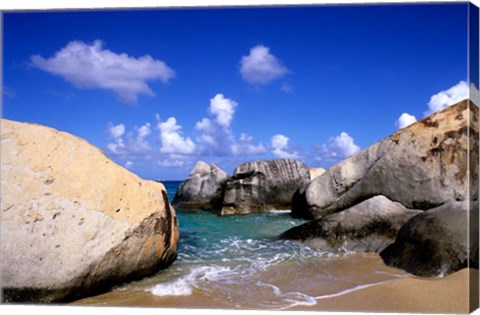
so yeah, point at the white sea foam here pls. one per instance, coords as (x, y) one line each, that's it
(279, 211)
(184, 285)
(356, 288)
(290, 298)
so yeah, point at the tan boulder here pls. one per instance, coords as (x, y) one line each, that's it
(421, 166)
(74, 223)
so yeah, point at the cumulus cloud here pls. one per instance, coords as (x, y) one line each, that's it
(405, 120)
(128, 164)
(135, 143)
(216, 133)
(245, 146)
(117, 147)
(139, 144)
(172, 141)
(171, 163)
(448, 97)
(90, 66)
(280, 147)
(223, 109)
(338, 148)
(261, 67)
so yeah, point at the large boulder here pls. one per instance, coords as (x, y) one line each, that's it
(421, 166)
(369, 226)
(436, 242)
(203, 189)
(74, 223)
(264, 185)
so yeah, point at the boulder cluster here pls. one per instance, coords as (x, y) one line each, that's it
(412, 197)
(254, 186)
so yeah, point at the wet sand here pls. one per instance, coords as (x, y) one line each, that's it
(382, 289)
(410, 294)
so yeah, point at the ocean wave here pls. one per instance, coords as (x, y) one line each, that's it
(184, 285)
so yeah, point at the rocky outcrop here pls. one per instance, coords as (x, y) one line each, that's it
(431, 165)
(369, 226)
(203, 189)
(421, 166)
(436, 243)
(74, 223)
(264, 185)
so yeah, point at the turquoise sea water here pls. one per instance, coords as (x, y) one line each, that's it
(238, 262)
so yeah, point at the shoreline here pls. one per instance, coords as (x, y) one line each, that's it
(383, 291)
(410, 294)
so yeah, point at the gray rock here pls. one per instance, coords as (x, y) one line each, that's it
(264, 185)
(421, 166)
(74, 223)
(369, 226)
(436, 242)
(203, 189)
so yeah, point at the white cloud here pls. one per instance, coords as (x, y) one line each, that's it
(246, 146)
(338, 148)
(117, 131)
(223, 108)
(128, 164)
(117, 147)
(261, 67)
(405, 120)
(170, 163)
(172, 141)
(134, 145)
(280, 147)
(445, 98)
(216, 133)
(90, 66)
(139, 144)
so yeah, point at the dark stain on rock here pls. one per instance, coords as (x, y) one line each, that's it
(168, 218)
(48, 181)
(429, 123)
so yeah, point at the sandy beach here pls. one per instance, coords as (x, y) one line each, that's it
(410, 294)
(385, 290)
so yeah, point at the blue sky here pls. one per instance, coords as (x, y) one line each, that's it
(158, 90)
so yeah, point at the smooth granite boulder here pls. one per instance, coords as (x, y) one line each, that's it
(436, 243)
(203, 189)
(421, 166)
(264, 185)
(369, 226)
(74, 223)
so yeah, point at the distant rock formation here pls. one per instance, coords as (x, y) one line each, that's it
(423, 166)
(264, 185)
(73, 222)
(203, 189)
